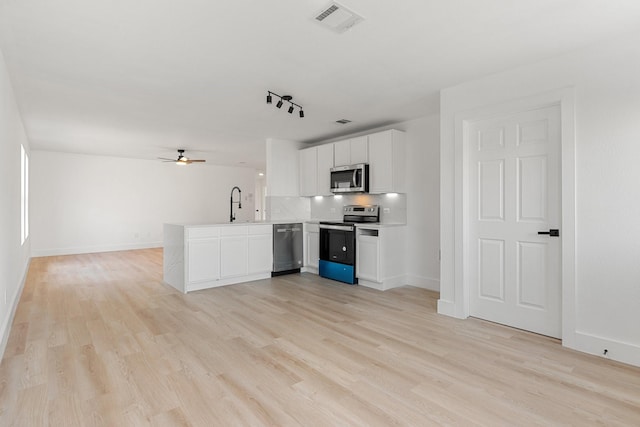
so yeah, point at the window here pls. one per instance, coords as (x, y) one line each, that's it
(24, 194)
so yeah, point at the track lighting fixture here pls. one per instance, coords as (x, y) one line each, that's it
(282, 100)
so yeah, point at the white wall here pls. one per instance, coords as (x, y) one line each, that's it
(607, 129)
(14, 257)
(83, 203)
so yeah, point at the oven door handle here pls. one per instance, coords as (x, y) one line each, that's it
(336, 227)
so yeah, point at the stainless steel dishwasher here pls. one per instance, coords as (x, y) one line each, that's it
(287, 248)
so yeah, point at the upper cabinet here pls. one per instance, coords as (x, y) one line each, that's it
(315, 165)
(308, 171)
(351, 151)
(383, 151)
(325, 163)
(387, 162)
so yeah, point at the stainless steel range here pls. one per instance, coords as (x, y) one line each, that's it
(338, 242)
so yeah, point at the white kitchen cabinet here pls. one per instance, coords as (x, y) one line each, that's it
(203, 260)
(368, 257)
(311, 247)
(387, 163)
(309, 171)
(260, 247)
(234, 252)
(351, 151)
(380, 259)
(324, 165)
(359, 150)
(342, 153)
(315, 169)
(201, 257)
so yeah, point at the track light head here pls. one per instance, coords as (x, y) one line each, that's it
(301, 114)
(291, 109)
(279, 104)
(269, 99)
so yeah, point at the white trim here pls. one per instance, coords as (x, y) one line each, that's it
(94, 249)
(564, 97)
(616, 350)
(224, 282)
(5, 329)
(423, 283)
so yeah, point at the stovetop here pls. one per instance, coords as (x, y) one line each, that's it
(357, 214)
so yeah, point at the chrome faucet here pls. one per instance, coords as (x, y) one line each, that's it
(232, 217)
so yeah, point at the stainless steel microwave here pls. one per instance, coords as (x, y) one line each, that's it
(350, 179)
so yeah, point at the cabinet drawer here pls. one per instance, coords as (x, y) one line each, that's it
(234, 230)
(203, 232)
(260, 229)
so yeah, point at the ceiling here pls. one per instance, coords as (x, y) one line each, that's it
(143, 78)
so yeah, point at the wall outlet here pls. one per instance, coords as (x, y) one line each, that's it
(386, 210)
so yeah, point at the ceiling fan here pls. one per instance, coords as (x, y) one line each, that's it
(181, 160)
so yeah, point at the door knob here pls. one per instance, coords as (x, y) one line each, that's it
(553, 232)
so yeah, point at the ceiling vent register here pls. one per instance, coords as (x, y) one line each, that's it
(337, 18)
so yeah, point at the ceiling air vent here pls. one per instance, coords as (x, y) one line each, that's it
(337, 18)
(343, 121)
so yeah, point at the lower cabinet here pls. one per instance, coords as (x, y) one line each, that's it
(380, 260)
(204, 260)
(208, 256)
(368, 256)
(261, 252)
(234, 259)
(311, 247)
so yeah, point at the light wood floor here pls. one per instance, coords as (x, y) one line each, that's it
(100, 340)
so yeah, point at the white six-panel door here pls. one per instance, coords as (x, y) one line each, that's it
(514, 193)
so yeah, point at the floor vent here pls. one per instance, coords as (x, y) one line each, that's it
(337, 17)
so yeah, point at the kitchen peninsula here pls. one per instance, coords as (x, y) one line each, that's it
(206, 256)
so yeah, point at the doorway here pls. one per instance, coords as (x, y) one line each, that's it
(514, 217)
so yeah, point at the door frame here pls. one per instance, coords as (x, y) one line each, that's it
(565, 99)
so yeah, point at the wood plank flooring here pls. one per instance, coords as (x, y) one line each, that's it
(99, 340)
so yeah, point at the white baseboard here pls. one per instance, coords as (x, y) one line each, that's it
(94, 249)
(424, 283)
(447, 308)
(616, 350)
(5, 329)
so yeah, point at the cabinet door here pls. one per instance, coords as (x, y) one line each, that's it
(260, 254)
(203, 262)
(309, 172)
(381, 162)
(342, 153)
(359, 150)
(368, 254)
(313, 249)
(325, 163)
(233, 256)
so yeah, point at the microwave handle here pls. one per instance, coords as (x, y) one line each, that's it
(355, 175)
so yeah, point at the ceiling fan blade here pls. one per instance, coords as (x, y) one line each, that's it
(166, 160)
(196, 161)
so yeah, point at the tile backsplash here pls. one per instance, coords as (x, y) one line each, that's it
(393, 207)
